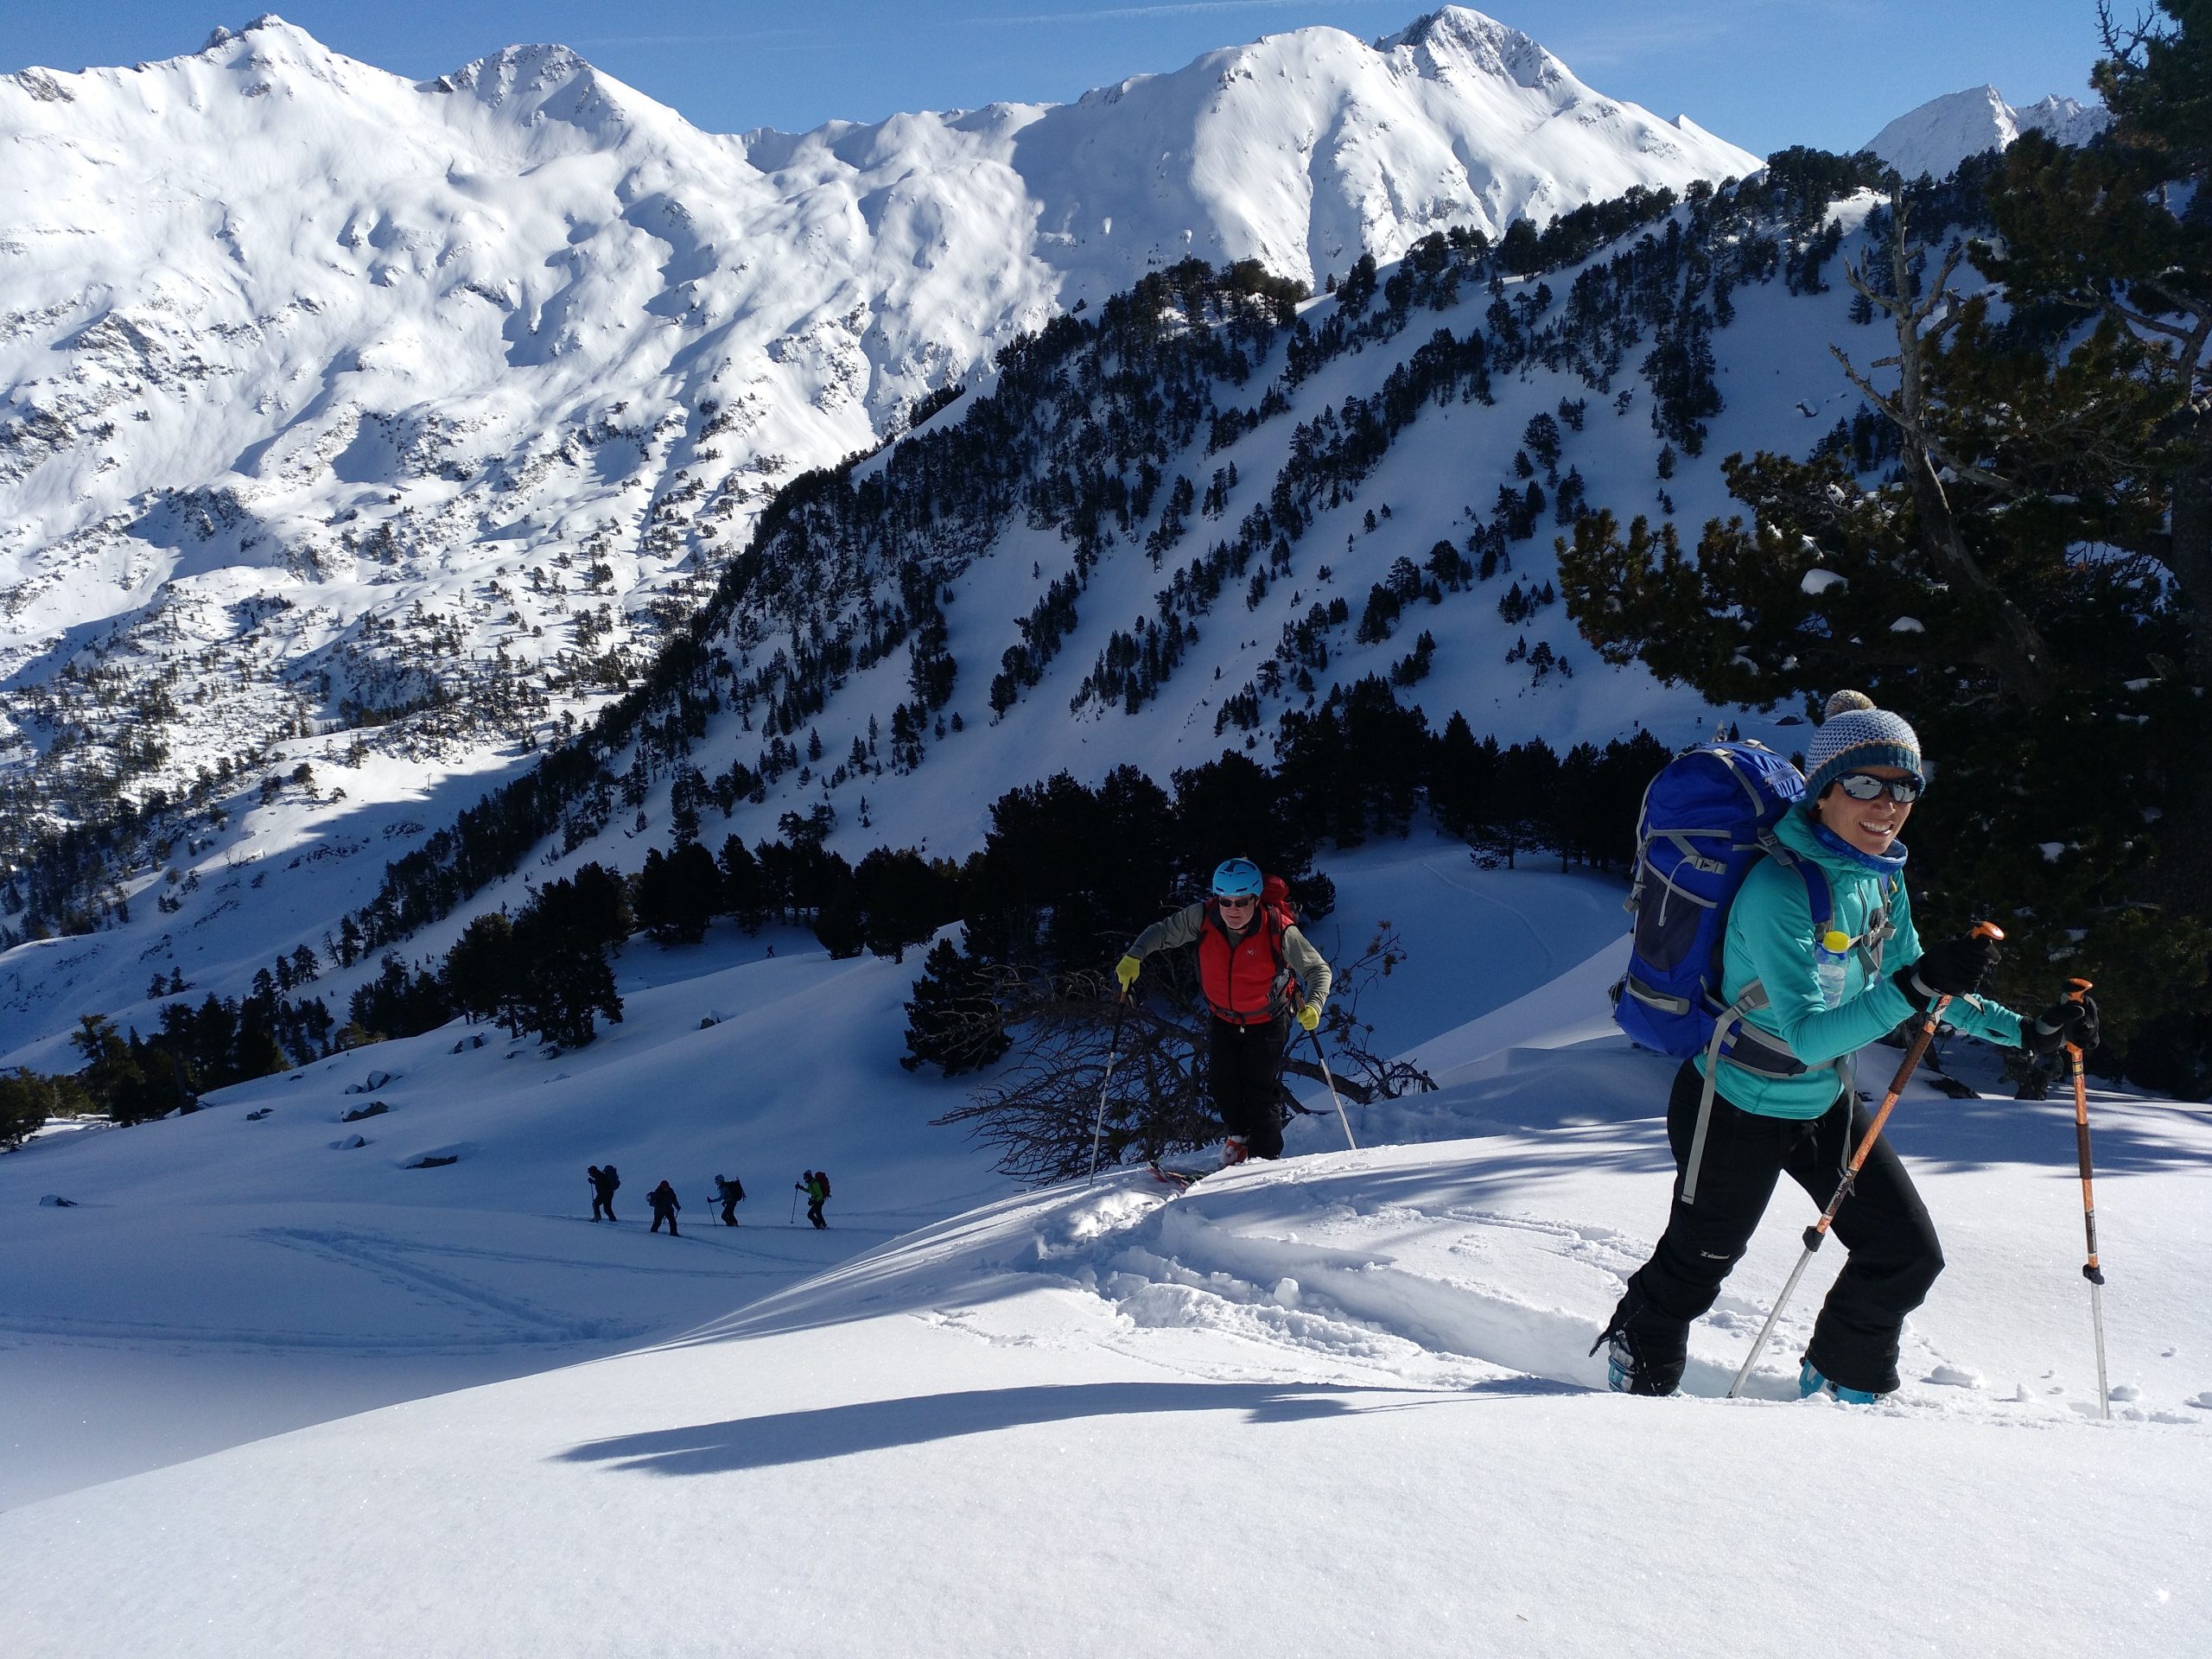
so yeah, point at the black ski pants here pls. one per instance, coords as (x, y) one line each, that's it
(1894, 1254)
(602, 1201)
(668, 1216)
(729, 1210)
(814, 1212)
(1245, 1062)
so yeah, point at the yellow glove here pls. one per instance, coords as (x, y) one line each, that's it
(1309, 1017)
(1126, 970)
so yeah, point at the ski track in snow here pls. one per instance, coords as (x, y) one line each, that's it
(1183, 1268)
(1383, 1352)
(1281, 1261)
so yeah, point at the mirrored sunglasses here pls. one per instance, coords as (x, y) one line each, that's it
(1866, 786)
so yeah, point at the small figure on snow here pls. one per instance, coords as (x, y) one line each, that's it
(664, 1201)
(1783, 1103)
(603, 1183)
(1258, 973)
(816, 1184)
(729, 1194)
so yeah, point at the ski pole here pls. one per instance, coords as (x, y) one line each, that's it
(794, 1206)
(1113, 1053)
(1331, 1082)
(2076, 990)
(1817, 1233)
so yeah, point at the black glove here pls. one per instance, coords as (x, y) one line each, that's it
(2064, 1021)
(1953, 967)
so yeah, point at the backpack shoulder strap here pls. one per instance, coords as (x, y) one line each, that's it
(1820, 898)
(1880, 928)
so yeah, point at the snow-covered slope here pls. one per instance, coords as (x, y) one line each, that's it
(1935, 138)
(283, 867)
(326, 397)
(224, 1277)
(1339, 1405)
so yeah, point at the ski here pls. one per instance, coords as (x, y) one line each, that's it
(1181, 1180)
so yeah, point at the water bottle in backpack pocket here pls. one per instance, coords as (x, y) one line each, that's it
(1832, 966)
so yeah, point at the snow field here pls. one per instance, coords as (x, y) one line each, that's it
(221, 1278)
(1309, 1408)
(1341, 1404)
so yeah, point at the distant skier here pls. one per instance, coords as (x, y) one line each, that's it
(1258, 973)
(603, 1183)
(816, 1184)
(664, 1201)
(1784, 1102)
(731, 1194)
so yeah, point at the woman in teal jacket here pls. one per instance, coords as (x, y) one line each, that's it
(1787, 1105)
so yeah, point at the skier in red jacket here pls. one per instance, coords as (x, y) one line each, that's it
(1259, 973)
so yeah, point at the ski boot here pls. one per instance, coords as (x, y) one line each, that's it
(1810, 1383)
(1631, 1370)
(1626, 1373)
(1234, 1152)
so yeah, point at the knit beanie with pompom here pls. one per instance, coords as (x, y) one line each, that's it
(1855, 734)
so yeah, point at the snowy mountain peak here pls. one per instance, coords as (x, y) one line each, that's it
(269, 42)
(1942, 132)
(414, 414)
(269, 22)
(529, 85)
(1459, 38)
(2067, 120)
(522, 75)
(516, 71)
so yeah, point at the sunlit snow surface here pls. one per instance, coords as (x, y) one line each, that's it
(289, 343)
(1341, 1404)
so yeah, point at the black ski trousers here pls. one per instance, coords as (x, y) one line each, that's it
(1246, 1067)
(598, 1204)
(814, 1212)
(1894, 1254)
(668, 1216)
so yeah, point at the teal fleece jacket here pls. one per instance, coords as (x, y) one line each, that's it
(1771, 939)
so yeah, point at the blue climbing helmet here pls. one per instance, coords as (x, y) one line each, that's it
(1236, 878)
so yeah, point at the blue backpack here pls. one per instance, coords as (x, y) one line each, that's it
(1708, 817)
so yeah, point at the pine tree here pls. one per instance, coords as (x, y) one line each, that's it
(1959, 594)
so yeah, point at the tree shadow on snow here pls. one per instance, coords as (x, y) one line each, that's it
(782, 1439)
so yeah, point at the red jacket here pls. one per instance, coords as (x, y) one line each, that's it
(1245, 979)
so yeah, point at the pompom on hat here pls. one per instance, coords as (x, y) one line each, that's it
(1855, 734)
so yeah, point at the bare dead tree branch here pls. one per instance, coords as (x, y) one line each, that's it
(1039, 1107)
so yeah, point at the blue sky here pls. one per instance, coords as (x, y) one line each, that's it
(1762, 73)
